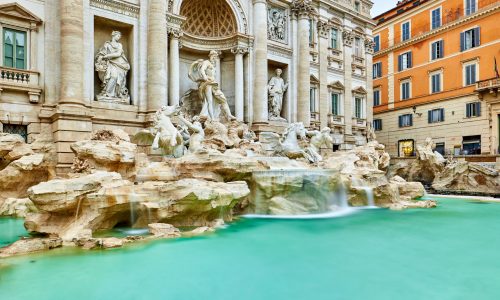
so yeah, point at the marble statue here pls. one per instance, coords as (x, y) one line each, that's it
(287, 144)
(163, 135)
(276, 24)
(370, 135)
(318, 139)
(276, 89)
(197, 137)
(203, 72)
(112, 67)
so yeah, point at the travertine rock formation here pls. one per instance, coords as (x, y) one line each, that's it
(16, 207)
(102, 200)
(31, 245)
(467, 177)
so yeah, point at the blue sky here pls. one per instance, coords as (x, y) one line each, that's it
(381, 6)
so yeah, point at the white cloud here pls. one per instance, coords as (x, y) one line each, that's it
(381, 6)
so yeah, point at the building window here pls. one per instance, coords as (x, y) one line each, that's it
(470, 7)
(436, 18)
(439, 148)
(471, 145)
(312, 99)
(405, 61)
(376, 97)
(406, 148)
(470, 38)
(377, 124)
(436, 82)
(473, 109)
(358, 107)
(335, 104)
(405, 31)
(436, 115)
(357, 6)
(406, 120)
(14, 48)
(334, 38)
(437, 50)
(376, 40)
(470, 74)
(311, 33)
(377, 70)
(405, 90)
(21, 130)
(357, 47)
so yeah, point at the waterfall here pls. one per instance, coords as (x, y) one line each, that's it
(370, 198)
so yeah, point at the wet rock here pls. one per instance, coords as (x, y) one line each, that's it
(16, 207)
(111, 242)
(467, 177)
(401, 205)
(164, 230)
(30, 245)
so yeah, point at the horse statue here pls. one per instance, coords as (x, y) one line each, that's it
(163, 134)
(287, 144)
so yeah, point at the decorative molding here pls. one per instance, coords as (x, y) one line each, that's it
(279, 51)
(359, 90)
(239, 50)
(348, 38)
(175, 32)
(369, 46)
(129, 10)
(17, 11)
(336, 85)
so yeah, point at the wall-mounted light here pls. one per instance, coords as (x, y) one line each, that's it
(415, 111)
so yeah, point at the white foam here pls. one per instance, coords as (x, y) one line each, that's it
(328, 215)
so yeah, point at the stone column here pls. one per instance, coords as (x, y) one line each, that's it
(348, 39)
(157, 50)
(260, 109)
(304, 11)
(238, 82)
(52, 52)
(72, 56)
(292, 89)
(369, 45)
(174, 85)
(324, 34)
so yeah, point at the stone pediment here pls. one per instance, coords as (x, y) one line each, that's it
(16, 11)
(359, 90)
(336, 85)
(314, 79)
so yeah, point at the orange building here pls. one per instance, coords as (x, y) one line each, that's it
(434, 64)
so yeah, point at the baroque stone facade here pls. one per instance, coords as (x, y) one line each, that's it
(68, 64)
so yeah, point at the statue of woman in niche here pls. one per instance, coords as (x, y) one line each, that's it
(276, 88)
(112, 67)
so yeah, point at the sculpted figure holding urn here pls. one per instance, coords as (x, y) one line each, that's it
(112, 67)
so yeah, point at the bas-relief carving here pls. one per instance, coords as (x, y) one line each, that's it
(276, 89)
(277, 24)
(129, 10)
(112, 67)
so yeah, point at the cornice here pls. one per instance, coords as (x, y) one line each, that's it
(116, 6)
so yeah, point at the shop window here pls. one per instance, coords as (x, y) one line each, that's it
(406, 148)
(471, 145)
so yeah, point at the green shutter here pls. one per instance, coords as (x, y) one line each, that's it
(14, 48)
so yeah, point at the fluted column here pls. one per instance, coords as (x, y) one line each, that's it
(174, 86)
(72, 56)
(238, 82)
(348, 39)
(304, 10)
(157, 58)
(324, 34)
(260, 110)
(369, 46)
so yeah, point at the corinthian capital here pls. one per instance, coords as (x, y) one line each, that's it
(348, 37)
(303, 8)
(239, 50)
(324, 29)
(175, 32)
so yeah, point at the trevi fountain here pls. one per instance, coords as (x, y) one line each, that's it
(199, 206)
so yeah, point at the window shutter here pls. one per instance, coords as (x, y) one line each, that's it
(429, 116)
(441, 49)
(477, 38)
(400, 121)
(410, 63)
(478, 104)
(441, 112)
(380, 70)
(411, 120)
(467, 110)
(438, 83)
(433, 51)
(400, 63)
(473, 74)
(462, 41)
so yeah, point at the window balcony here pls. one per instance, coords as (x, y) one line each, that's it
(335, 119)
(491, 85)
(315, 122)
(358, 122)
(21, 80)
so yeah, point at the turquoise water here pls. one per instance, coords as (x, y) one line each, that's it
(10, 230)
(451, 252)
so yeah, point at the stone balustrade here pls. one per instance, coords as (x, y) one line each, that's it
(358, 122)
(21, 80)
